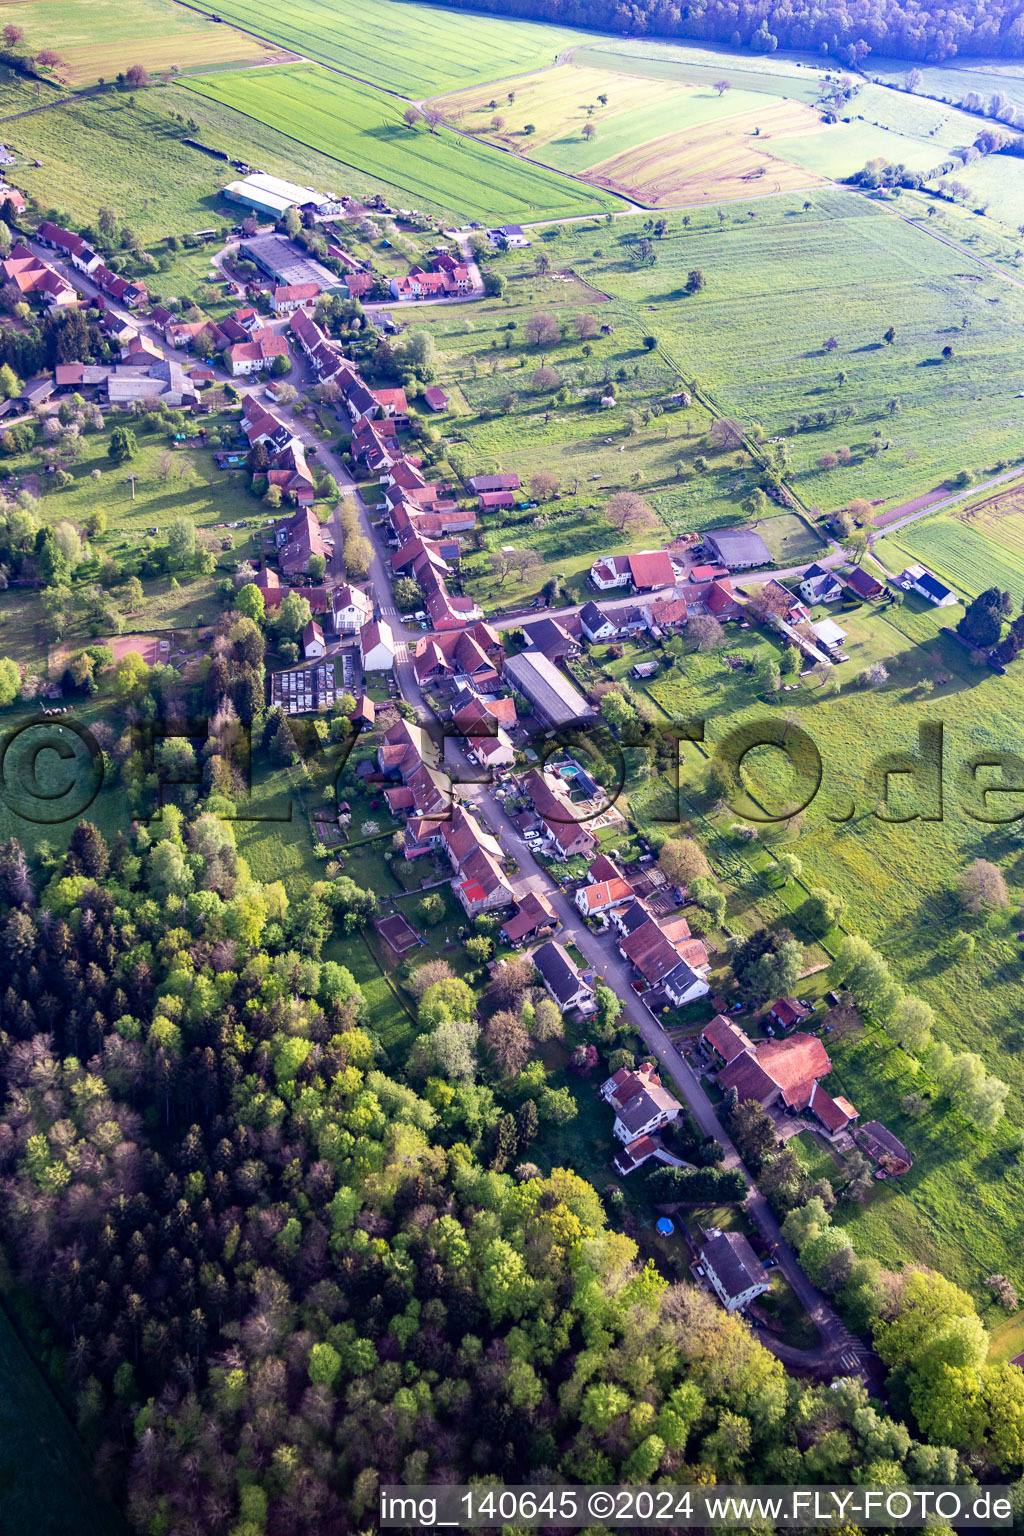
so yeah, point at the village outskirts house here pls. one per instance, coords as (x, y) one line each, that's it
(313, 647)
(818, 585)
(733, 1269)
(640, 1101)
(563, 980)
(597, 626)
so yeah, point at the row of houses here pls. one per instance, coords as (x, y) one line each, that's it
(247, 343)
(447, 278)
(300, 538)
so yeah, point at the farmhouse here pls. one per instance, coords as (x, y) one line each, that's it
(298, 540)
(916, 579)
(787, 1073)
(597, 626)
(259, 352)
(593, 899)
(725, 1040)
(651, 569)
(490, 501)
(552, 637)
(609, 572)
(164, 380)
(735, 1272)
(818, 585)
(563, 980)
(554, 700)
(270, 195)
(560, 824)
(534, 916)
(80, 251)
(740, 549)
(289, 297)
(501, 482)
(863, 583)
(36, 279)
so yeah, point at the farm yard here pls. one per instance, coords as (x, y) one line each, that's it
(414, 50)
(362, 128)
(94, 42)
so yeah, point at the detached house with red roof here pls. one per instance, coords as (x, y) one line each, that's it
(787, 1073)
(642, 1106)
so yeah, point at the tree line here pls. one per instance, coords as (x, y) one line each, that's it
(843, 29)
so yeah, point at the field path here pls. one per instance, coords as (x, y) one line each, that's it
(59, 101)
(954, 245)
(949, 501)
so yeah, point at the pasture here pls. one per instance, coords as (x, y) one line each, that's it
(785, 276)
(362, 129)
(413, 50)
(94, 42)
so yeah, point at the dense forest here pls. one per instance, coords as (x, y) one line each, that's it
(273, 1265)
(845, 31)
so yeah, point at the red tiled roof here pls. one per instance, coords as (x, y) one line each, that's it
(726, 1038)
(653, 568)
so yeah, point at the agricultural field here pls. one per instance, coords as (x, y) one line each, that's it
(829, 265)
(558, 103)
(650, 140)
(953, 79)
(94, 42)
(103, 151)
(798, 76)
(727, 159)
(413, 50)
(363, 129)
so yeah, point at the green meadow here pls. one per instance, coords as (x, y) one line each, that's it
(362, 128)
(780, 281)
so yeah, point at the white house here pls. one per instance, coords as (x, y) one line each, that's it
(733, 1269)
(596, 625)
(599, 897)
(352, 609)
(916, 579)
(820, 586)
(830, 635)
(494, 751)
(640, 1102)
(609, 572)
(313, 641)
(563, 981)
(377, 646)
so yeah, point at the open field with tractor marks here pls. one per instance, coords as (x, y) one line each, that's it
(730, 158)
(415, 50)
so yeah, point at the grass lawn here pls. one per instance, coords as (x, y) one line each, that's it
(964, 555)
(362, 128)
